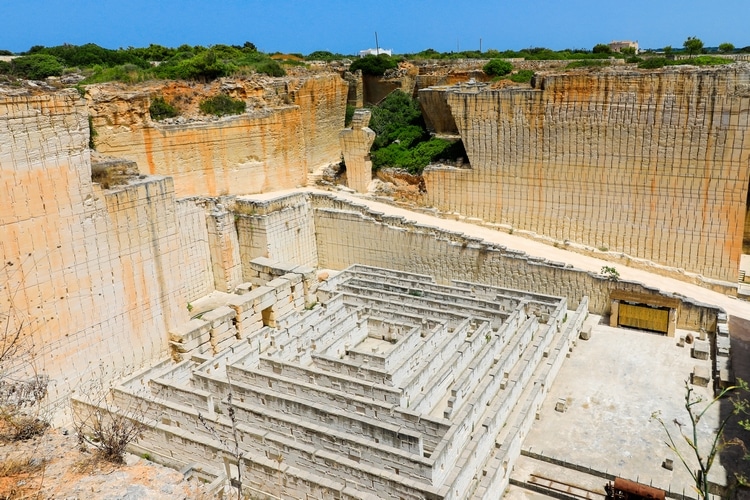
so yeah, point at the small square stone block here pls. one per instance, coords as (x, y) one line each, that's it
(701, 349)
(700, 376)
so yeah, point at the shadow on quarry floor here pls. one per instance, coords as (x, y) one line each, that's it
(732, 457)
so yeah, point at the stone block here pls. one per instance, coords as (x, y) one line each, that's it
(722, 329)
(242, 304)
(723, 346)
(585, 332)
(701, 376)
(701, 349)
(561, 405)
(190, 331)
(218, 316)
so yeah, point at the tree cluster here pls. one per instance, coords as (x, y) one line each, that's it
(375, 65)
(403, 141)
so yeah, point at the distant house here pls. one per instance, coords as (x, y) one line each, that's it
(375, 52)
(618, 46)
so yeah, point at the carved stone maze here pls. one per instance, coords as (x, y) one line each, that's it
(391, 386)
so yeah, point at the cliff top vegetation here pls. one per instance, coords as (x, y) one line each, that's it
(132, 65)
(198, 63)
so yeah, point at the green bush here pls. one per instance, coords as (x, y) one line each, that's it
(403, 141)
(602, 48)
(586, 63)
(523, 76)
(222, 105)
(654, 62)
(392, 117)
(126, 73)
(497, 67)
(161, 109)
(90, 54)
(374, 65)
(270, 68)
(415, 159)
(205, 66)
(323, 55)
(36, 66)
(709, 61)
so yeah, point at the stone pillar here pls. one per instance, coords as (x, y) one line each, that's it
(672, 326)
(614, 314)
(225, 249)
(355, 146)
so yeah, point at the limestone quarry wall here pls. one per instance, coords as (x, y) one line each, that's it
(348, 233)
(92, 278)
(652, 164)
(198, 278)
(290, 129)
(280, 229)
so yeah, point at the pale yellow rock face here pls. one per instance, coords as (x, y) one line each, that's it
(356, 142)
(83, 271)
(290, 129)
(652, 164)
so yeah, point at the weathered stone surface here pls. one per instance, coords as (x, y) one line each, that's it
(652, 164)
(356, 142)
(289, 130)
(92, 277)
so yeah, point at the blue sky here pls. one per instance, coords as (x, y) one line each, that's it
(348, 26)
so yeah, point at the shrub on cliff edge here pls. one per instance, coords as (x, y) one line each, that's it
(161, 109)
(36, 66)
(374, 65)
(222, 105)
(523, 76)
(497, 67)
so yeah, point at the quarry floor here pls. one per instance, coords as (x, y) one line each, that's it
(611, 386)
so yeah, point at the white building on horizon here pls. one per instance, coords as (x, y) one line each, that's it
(375, 52)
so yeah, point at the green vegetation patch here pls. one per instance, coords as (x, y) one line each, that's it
(660, 62)
(414, 159)
(707, 61)
(222, 105)
(35, 66)
(161, 109)
(403, 140)
(133, 65)
(497, 67)
(587, 63)
(374, 65)
(522, 76)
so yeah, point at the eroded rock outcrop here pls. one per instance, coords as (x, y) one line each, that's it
(289, 130)
(652, 164)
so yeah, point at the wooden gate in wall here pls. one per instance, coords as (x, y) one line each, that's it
(644, 311)
(644, 317)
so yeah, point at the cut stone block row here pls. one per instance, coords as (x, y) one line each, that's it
(392, 386)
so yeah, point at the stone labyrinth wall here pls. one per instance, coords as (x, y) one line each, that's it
(391, 385)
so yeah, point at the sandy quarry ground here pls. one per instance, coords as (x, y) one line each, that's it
(54, 468)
